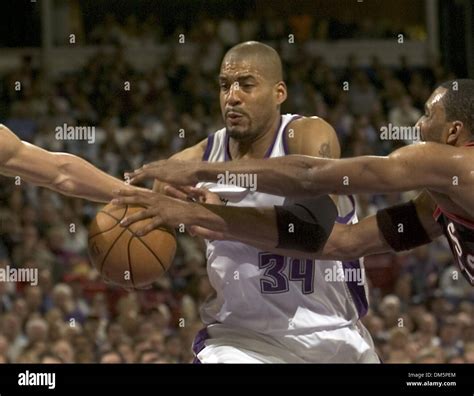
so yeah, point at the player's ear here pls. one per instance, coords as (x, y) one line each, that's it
(281, 92)
(454, 132)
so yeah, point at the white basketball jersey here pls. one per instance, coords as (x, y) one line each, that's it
(272, 294)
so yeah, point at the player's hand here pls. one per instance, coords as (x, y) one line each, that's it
(201, 195)
(162, 210)
(175, 172)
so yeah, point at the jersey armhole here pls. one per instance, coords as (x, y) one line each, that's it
(207, 152)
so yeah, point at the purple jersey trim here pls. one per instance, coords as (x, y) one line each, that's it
(199, 343)
(347, 217)
(356, 289)
(207, 152)
(270, 149)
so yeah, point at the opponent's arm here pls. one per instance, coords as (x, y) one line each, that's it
(424, 165)
(364, 238)
(61, 172)
(258, 227)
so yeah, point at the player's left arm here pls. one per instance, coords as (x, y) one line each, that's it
(424, 165)
(61, 172)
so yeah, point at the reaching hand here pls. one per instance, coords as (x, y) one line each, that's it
(161, 209)
(175, 172)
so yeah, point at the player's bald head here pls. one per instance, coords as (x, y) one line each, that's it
(260, 56)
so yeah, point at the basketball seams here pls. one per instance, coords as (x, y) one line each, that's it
(113, 217)
(110, 252)
(130, 262)
(148, 248)
(110, 249)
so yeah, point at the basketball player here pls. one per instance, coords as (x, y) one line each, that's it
(442, 166)
(269, 307)
(61, 172)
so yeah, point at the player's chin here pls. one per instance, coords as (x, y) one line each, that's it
(237, 132)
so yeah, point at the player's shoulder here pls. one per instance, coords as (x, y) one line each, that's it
(441, 160)
(307, 127)
(307, 133)
(435, 151)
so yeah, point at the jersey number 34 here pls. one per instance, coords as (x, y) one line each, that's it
(275, 279)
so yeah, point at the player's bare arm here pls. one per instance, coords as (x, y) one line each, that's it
(425, 165)
(258, 226)
(61, 172)
(346, 242)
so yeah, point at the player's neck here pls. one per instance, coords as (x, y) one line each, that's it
(257, 147)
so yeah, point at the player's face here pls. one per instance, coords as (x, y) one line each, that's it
(433, 124)
(249, 101)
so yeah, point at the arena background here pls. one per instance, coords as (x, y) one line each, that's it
(70, 62)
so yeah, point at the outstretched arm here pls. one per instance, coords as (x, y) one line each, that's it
(61, 172)
(258, 227)
(424, 165)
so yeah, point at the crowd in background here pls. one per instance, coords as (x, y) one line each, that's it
(420, 312)
(133, 31)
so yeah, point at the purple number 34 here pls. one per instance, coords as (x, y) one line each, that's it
(276, 281)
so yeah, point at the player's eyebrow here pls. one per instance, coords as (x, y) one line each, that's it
(246, 77)
(241, 77)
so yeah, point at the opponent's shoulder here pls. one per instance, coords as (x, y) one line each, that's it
(312, 136)
(441, 167)
(194, 153)
(431, 153)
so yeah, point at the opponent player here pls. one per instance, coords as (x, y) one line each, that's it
(442, 166)
(269, 307)
(61, 172)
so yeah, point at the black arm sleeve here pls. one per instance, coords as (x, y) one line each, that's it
(306, 224)
(401, 227)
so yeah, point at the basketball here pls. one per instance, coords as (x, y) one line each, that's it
(122, 257)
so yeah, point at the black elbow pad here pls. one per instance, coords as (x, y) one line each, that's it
(306, 224)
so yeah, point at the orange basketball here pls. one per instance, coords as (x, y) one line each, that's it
(122, 257)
